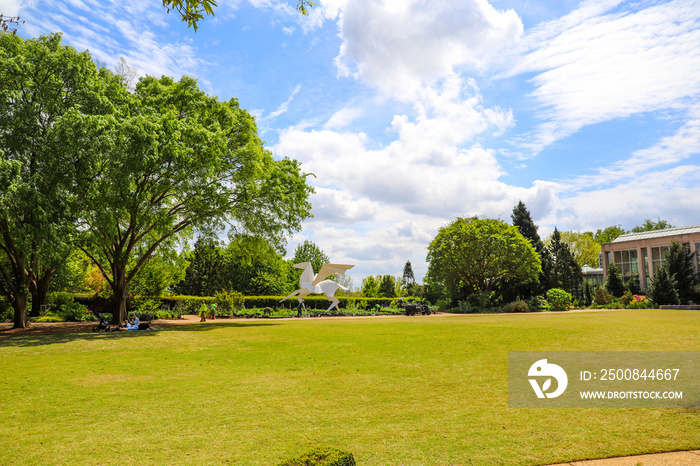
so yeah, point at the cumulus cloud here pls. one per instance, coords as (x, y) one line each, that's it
(397, 195)
(674, 193)
(593, 69)
(398, 45)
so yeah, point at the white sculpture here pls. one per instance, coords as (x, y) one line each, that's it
(317, 284)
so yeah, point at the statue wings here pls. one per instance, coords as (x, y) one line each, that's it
(330, 269)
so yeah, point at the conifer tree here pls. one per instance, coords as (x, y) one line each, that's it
(565, 272)
(680, 265)
(614, 282)
(523, 220)
(662, 290)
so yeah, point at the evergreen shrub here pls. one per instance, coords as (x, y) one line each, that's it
(322, 456)
(517, 306)
(559, 300)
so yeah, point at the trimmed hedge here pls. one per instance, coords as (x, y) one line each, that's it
(322, 456)
(180, 305)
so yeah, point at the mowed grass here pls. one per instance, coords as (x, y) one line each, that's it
(393, 390)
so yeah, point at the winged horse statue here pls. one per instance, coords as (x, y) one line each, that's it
(311, 283)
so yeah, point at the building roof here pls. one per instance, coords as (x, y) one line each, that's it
(657, 234)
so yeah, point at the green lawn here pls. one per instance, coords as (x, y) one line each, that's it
(392, 390)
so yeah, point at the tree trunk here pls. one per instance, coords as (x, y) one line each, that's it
(19, 304)
(119, 296)
(39, 289)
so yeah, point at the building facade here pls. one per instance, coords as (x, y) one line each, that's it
(643, 253)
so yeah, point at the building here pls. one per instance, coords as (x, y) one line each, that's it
(643, 253)
(594, 277)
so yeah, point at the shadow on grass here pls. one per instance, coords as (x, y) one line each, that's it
(42, 339)
(201, 327)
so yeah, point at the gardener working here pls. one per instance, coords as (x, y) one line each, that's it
(203, 312)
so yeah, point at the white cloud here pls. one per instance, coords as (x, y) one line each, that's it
(344, 117)
(400, 45)
(668, 151)
(395, 197)
(283, 108)
(612, 66)
(118, 28)
(672, 194)
(10, 8)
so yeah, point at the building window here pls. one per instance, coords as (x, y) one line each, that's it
(657, 257)
(627, 263)
(645, 257)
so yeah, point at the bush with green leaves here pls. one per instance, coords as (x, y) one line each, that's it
(559, 300)
(228, 302)
(538, 304)
(6, 311)
(627, 298)
(601, 297)
(59, 298)
(75, 312)
(322, 456)
(517, 306)
(50, 317)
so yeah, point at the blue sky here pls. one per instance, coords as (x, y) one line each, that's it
(413, 112)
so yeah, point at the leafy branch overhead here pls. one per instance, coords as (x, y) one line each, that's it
(192, 10)
(5, 22)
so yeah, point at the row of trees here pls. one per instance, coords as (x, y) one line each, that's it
(85, 164)
(488, 261)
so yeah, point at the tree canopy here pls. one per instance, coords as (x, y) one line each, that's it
(650, 225)
(584, 247)
(479, 254)
(45, 87)
(608, 234)
(177, 160)
(308, 251)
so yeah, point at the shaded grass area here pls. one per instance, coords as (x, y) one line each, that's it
(393, 390)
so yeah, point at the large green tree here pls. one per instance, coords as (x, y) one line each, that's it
(204, 275)
(584, 247)
(479, 254)
(254, 267)
(370, 287)
(387, 286)
(307, 251)
(650, 225)
(608, 234)
(45, 88)
(177, 160)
